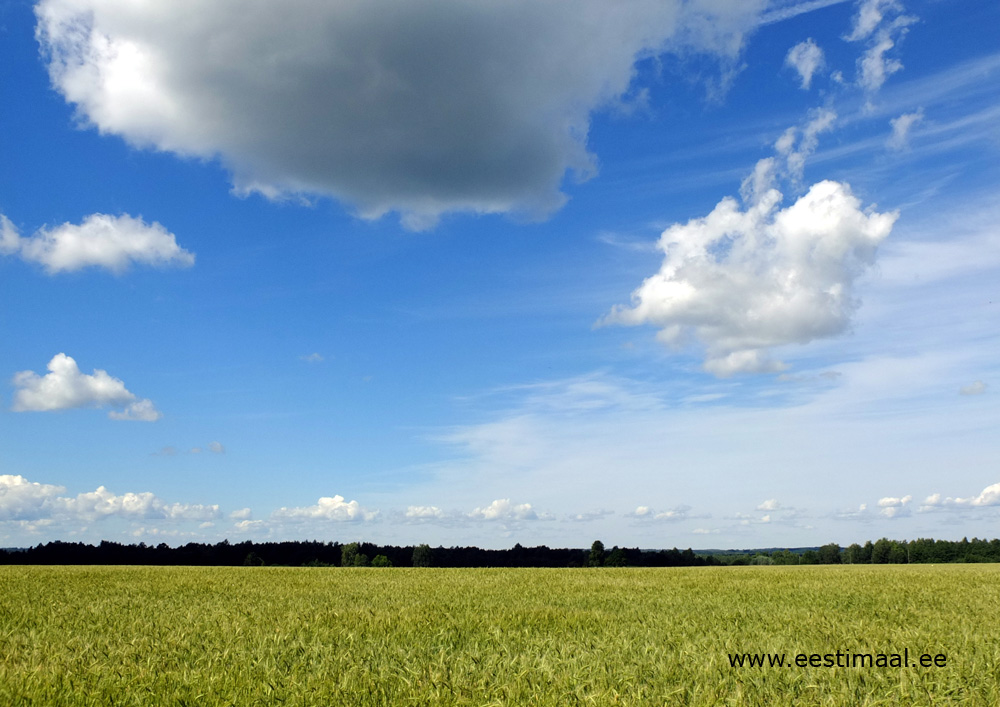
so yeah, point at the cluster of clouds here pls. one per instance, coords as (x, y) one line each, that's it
(747, 279)
(418, 108)
(65, 387)
(881, 24)
(114, 243)
(895, 507)
(24, 500)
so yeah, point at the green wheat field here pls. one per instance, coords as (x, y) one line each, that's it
(333, 636)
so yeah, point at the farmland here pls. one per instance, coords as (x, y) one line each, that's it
(365, 636)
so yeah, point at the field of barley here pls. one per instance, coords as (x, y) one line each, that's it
(333, 636)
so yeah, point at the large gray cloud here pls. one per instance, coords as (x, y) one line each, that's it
(417, 107)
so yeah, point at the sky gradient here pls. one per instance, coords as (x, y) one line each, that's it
(696, 274)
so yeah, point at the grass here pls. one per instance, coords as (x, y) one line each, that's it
(332, 636)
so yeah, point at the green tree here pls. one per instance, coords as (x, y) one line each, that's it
(381, 561)
(829, 554)
(616, 558)
(349, 555)
(596, 558)
(422, 556)
(253, 560)
(809, 557)
(880, 551)
(852, 554)
(785, 557)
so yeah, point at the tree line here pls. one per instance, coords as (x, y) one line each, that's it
(360, 554)
(880, 552)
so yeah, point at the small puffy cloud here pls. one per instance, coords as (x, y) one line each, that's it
(503, 510)
(874, 67)
(806, 58)
(249, 525)
(676, 513)
(111, 242)
(241, 514)
(425, 513)
(990, 496)
(820, 121)
(769, 505)
(216, 448)
(742, 282)
(977, 388)
(65, 387)
(901, 127)
(417, 107)
(142, 410)
(312, 358)
(333, 508)
(892, 507)
(870, 16)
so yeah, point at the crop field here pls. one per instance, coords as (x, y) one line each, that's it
(333, 636)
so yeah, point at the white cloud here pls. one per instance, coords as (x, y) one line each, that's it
(674, 514)
(103, 503)
(21, 499)
(820, 121)
(590, 516)
(893, 507)
(806, 58)
(216, 448)
(901, 127)
(142, 410)
(241, 514)
(869, 17)
(883, 25)
(421, 108)
(977, 388)
(744, 282)
(65, 387)
(503, 510)
(990, 496)
(425, 513)
(312, 358)
(111, 242)
(248, 525)
(874, 67)
(327, 508)
(769, 505)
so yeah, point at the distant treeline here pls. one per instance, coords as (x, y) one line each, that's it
(884, 551)
(333, 554)
(314, 553)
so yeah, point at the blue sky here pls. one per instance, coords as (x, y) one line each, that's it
(696, 273)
